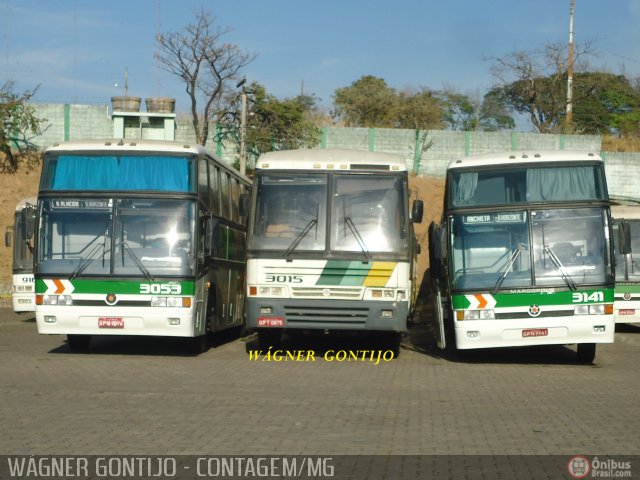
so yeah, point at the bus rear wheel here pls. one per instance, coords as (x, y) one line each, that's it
(586, 352)
(79, 343)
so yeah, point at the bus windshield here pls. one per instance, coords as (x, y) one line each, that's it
(107, 236)
(367, 213)
(526, 184)
(526, 248)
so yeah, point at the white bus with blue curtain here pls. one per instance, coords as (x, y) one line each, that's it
(523, 254)
(138, 238)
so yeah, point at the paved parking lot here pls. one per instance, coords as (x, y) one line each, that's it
(143, 396)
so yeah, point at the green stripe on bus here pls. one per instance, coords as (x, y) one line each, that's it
(115, 286)
(344, 272)
(621, 288)
(521, 299)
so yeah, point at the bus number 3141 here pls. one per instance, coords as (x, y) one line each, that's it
(579, 297)
(160, 288)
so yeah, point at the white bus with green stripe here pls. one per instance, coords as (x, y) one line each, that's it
(139, 238)
(523, 254)
(19, 236)
(626, 227)
(331, 244)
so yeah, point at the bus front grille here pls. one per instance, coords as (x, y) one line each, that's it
(327, 292)
(301, 315)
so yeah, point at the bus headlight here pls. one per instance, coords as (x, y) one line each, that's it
(184, 302)
(65, 300)
(49, 300)
(598, 309)
(271, 291)
(487, 314)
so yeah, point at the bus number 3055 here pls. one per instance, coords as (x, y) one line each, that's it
(160, 288)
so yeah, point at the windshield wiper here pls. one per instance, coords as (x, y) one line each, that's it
(82, 266)
(298, 239)
(515, 254)
(356, 234)
(563, 272)
(137, 261)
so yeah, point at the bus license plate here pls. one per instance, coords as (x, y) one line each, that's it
(270, 322)
(535, 332)
(626, 311)
(110, 322)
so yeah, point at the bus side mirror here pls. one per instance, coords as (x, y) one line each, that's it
(417, 211)
(624, 233)
(29, 221)
(7, 237)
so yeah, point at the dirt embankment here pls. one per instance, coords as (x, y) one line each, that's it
(13, 188)
(23, 184)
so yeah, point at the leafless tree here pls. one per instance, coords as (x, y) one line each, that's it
(206, 63)
(534, 82)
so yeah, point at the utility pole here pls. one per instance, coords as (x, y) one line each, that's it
(243, 126)
(569, 119)
(243, 134)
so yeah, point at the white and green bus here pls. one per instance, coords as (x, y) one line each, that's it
(331, 244)
(523, 254)
(139, 238)
(19, 236)
(626, 227)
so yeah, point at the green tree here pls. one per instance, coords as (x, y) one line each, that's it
(605, 103)
(368, 102)
(272, 123)
(462, 112)
(207, 64)
(420, 110)
(18, 125)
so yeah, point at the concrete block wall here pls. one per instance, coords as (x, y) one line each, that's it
(75, 122)
(623, 174)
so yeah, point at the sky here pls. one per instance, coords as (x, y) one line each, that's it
(77, 51)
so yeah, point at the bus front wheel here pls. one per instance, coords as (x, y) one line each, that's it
(586, 352)
(79, 343)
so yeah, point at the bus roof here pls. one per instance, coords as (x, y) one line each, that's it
(626, 212)
(127, 145)
(330, 159)
(541, 156)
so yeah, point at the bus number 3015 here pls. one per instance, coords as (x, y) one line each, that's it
(579, 297)
(160, 288)
(283, 279)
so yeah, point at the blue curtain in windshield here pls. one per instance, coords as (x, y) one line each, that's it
(560, 183)
(121, 173)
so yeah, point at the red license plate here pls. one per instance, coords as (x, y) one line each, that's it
(270, 322)
(626, 311)
(535, 332)
(110, 322)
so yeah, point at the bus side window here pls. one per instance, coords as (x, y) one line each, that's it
(203, 181)
(235, 214)
(224, 195)
(214, 188)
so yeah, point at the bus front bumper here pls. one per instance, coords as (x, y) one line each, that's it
(154, 321)
(326, 314)
(577, 329)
